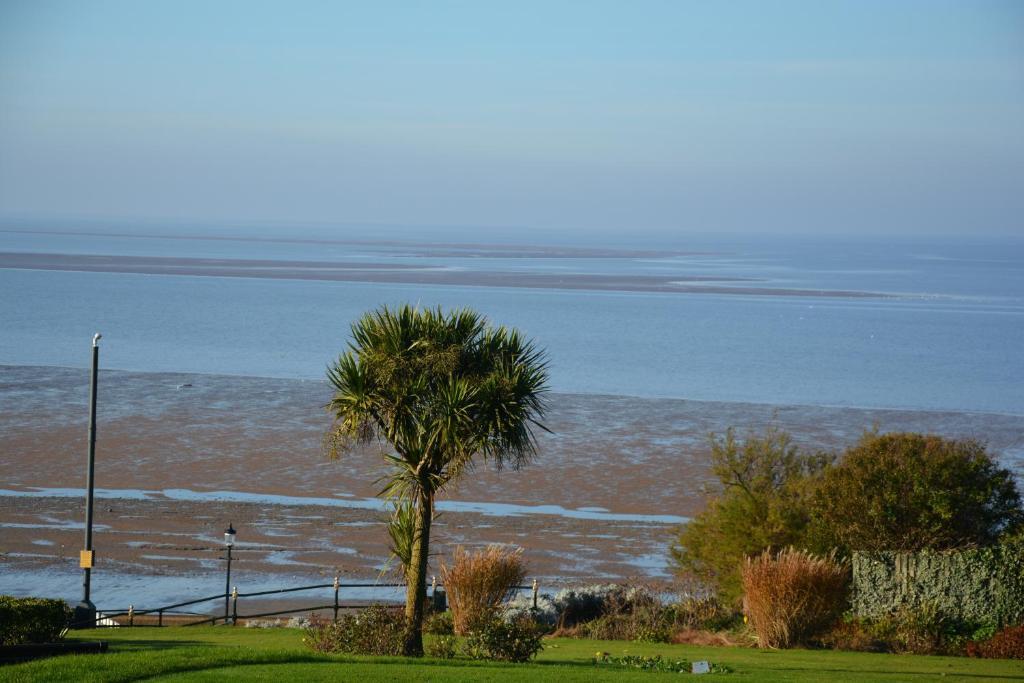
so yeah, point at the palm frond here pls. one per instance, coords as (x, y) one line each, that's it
(402, 533)
(441, 388)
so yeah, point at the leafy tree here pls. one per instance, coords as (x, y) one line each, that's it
(762, 505)
(442, 389)
(909, 492)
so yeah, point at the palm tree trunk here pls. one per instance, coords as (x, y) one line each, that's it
(416, 577)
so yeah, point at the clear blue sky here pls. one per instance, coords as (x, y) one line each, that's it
(822, 117)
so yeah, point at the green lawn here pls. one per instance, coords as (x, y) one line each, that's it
(224, 653)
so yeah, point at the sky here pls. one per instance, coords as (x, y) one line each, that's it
(589, 117)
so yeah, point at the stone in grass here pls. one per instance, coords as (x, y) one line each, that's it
(701, 667)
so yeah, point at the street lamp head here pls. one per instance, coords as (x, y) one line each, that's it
(229, 536)
(96, 339)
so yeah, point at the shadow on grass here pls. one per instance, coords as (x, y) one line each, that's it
(903, 673)
(141, 644)
(192, 665)
(122, 645)
(328, 660)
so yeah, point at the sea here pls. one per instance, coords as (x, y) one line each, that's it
(652, 342)
(901, 323)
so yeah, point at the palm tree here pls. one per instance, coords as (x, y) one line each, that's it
(442, 390)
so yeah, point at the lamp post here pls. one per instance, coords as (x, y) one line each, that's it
(229, 540)
(85, 611)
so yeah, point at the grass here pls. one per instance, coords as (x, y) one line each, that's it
(224, 653)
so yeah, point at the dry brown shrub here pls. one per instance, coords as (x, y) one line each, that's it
(477, 583)
(693, 636)
(575, 631)
(791, 595)
(855, 636)
(1005, 644)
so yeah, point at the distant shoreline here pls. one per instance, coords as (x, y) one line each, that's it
(355, 271)
(418, 247)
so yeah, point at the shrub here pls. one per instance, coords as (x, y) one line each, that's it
(704, 614)
(924, 630)
(631, 614)
(912, 492)
(442, 647)
(1005, 644)
(853, 634)
(439, 624)
(505, 641)
(708, 639)
(971, 587)
(648, 621)
(571, 609)
(521, 607)
(585, 603)
(376, 630)
(605, 627)
(32, 620)
(620, 612)
(477, 583)
(793, 595)
(651, 632)
(921, 631)
(763, 503)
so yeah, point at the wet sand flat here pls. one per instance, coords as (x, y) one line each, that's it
(407, 247)
(179, 456)
(359, 271)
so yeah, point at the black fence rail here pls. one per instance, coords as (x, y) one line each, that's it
(126, 617)
(106, 618)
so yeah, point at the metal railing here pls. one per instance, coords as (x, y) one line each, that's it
(107, 618)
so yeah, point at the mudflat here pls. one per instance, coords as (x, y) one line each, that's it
(179, 456)
(426, 274)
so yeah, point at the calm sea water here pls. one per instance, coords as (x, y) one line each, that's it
(951, 339)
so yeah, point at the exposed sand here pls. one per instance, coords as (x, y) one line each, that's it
(357, 271)
(407, 247)
(258, 436)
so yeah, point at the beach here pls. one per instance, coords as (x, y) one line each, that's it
(180, 456)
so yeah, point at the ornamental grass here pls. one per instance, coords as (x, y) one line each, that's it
(792, 595)
(478, 582)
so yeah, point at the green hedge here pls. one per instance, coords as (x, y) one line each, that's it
(978, 586)
(32, 620)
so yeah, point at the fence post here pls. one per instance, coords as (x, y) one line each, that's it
(131, 615)
(535, 594)
(234, 606)
(160, 618)
(337, 583)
